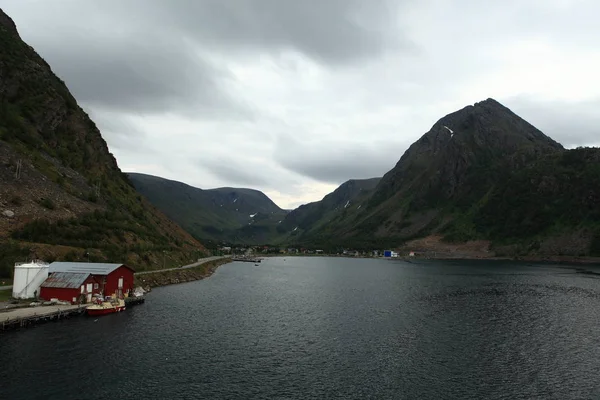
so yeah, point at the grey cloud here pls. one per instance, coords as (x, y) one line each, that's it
(231, 172)
(146, 56)
(143, 76)
(332, 31)
(119, 131)
(336, 162)
(570, 123)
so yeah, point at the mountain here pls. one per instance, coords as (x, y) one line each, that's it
(480, 173)
(481, 181)
(550, 207)
(233, 215)
(458, 159)
(62, 194)
(314, 217)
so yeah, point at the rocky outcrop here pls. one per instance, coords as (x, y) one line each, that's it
(8, 24)
(8, 213)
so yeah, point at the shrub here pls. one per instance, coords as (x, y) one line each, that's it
(595, 245)
(49, 204)
(71, 256)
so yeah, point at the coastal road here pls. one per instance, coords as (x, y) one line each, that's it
(199, 262)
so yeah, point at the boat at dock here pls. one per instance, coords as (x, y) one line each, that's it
(107, 306)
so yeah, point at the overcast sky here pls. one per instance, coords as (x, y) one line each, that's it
(295, 97)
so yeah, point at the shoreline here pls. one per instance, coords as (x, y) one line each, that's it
(15, 321)
(150, 279)
(574, 260)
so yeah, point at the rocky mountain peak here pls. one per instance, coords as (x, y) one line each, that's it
(7, 23)
(489, 120)
(475, 141)
(484, 126)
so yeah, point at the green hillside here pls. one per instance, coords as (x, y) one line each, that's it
(62, 194)
(232, 215)
(481, 173)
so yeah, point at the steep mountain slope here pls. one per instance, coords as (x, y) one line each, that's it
(451, 182)
(481, 174)
(62, 195)
(551, 207)
(225, 214)
(460, 157)
(348, 197)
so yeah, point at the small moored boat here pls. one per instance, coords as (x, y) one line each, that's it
(107, 306)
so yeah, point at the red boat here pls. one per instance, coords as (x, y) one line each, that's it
(108, 306)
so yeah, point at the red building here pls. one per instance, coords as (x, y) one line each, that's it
(80, 281)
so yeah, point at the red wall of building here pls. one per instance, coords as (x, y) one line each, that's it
(63, 294)
(67, 294)
(112, 280)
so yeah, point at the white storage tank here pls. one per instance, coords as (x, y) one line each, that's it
(28, 278)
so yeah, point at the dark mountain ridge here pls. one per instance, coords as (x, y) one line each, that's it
(463, 178)
(349, 195)
(62, 194)
(461, 153)
(481, 174)
(223, 214)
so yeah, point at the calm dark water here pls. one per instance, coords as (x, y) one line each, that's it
(316, 328)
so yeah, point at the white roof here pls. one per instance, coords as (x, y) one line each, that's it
(79, 267)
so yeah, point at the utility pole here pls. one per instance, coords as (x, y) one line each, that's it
(164, 257)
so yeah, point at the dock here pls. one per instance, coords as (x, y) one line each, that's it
(28, 316)
(24, 317)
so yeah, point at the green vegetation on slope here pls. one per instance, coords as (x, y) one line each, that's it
(479, 173)
(233, 215)
(70, 192)
(557, 192)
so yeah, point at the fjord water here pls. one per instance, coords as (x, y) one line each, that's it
(315, 328)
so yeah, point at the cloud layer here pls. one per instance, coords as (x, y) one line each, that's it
(296, 97)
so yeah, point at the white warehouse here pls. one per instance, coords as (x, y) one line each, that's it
(28, 278)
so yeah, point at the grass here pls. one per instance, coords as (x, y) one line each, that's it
(5, 295)
(6, 281)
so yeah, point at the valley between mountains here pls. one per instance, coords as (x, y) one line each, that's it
(481, 182)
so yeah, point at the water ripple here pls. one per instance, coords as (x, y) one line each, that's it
(320, 328)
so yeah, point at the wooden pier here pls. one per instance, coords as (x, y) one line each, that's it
(25, 317)
(29, 316)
